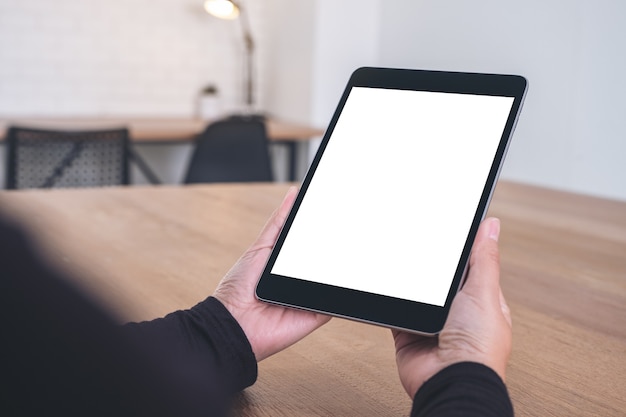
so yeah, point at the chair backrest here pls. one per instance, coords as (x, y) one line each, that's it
(231, 150)
(38, 158)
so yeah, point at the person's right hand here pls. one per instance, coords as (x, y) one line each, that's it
(478, 328)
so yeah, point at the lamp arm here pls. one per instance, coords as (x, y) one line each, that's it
(249, 44)
(245, 27)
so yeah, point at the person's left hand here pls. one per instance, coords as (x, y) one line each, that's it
(269, 328)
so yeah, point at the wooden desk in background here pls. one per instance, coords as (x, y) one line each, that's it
(169, 130)
(148, 251)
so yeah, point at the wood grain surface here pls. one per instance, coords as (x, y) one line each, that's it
(144, 252)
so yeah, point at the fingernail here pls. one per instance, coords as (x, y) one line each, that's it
(494, 229)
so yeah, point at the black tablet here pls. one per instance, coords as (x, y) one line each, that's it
(383, 224)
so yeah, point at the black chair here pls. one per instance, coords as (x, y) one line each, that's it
(38, 158)
(231, 150)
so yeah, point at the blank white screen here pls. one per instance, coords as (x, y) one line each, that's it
(391, 203)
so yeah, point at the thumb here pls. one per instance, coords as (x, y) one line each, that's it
(272, 228)
(483, 280)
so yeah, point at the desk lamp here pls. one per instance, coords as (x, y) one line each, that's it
(230, 10)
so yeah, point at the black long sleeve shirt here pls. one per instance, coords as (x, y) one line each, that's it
(62, 354)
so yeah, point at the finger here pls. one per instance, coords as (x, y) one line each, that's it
(270, 231)
(287, 203)
(321, 319)
(483, 279)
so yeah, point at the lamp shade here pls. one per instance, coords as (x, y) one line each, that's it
(223, 9)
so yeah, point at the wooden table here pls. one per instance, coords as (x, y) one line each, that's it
(169, 130)
(147, 251)
(158, 130)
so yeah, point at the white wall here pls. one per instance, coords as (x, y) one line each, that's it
(311, 54)
(338, 50)
(570, 133)
(73, 57)
(347, 37)
(290, 42)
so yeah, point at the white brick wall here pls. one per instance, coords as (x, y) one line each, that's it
(118, 57)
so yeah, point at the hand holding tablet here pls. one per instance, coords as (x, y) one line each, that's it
(382, 227)
(479, 313)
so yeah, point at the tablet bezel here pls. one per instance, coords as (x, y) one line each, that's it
(389, 311)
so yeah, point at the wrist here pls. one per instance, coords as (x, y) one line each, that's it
(488, 361)
(238, 312)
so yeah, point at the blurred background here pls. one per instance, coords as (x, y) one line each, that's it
(153, 58)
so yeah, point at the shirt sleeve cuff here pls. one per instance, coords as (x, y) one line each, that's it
(231, 345)
(466, 388)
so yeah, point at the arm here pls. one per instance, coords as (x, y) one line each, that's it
(64, 355)
(206, 337)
